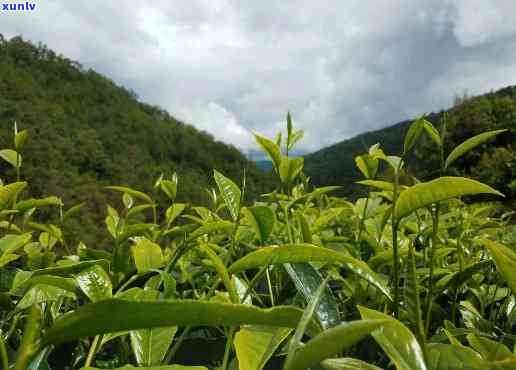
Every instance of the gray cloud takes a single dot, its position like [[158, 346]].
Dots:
[[341, 67]]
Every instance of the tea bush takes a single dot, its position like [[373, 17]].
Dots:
[[409, 277]]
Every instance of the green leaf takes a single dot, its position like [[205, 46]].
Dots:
[[7, 258], [95, 283], [432, 133], [134, 193], [147, 255], [255, 345], [69, 270], [469, 144], [114, 315], [272, 149], [305, 228], [505, 261], [24, 205], [333, 341], [397, 341], [383, 185], [230, 193], [262, 220], [453, 357], [19, 139], [221, 271], [173, 212], [347, 363], [298, 253], [210, 228], [295, 342], [456, 279], [368, 165], [169, 187], [165, 367], [9, 191], [442, 188], [290, 168], [151, 345], [39, 362], [307, 280], [413, 133], [67, 284], [42, 293], [491, 350], [290, 126], [11, 157], [294, 138], [11, 243]]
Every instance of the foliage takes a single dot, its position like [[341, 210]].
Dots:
[[409, 277]]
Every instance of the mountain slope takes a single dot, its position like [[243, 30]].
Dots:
[[494, 163], [86, 132]]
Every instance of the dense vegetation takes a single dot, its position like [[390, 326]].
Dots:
[[86, 132], [495, 165], [407, 278]]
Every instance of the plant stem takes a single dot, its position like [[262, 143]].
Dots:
[[28, 346], [362, 223], [176, 345], [227, 351], [271, 293], [396, 267], [93, 349], [394, 225], [433, 247], [3, 352]]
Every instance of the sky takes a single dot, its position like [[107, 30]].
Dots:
[[231, 67]]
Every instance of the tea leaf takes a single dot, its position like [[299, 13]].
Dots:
[[443, 188], [95, 283], [255, 345], [333, 341], [11, 157], [230, 193], [469, 144], [397, 341], [262, 220], [298, 253], [113, 315], [307, 280], [272, 149], [505, 260]]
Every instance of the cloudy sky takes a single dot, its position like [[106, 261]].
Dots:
[[233, 66]]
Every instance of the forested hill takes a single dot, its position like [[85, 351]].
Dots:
[[493, 163], [86, 132]]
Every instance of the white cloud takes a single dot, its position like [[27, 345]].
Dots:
[[482, 21], [341, 67]]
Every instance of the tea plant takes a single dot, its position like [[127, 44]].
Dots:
[[410, 277]]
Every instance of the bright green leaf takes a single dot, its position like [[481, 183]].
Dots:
[[443, 188], [230, 193], [95, 283], [333, 341], [469, 144], [397, 341], [255, 345]]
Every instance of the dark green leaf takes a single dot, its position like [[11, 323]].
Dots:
[[298, 253]]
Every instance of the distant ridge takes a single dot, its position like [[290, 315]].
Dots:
[[86, 132], [334, 165]]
